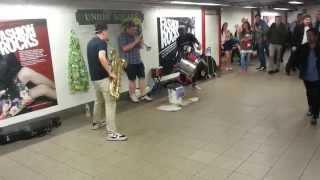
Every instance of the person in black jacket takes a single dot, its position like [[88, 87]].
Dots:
[[298, 38], [317, 24], [308, 62]]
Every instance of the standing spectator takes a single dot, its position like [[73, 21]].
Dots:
[[245, 46], [261, 29], [236, 51], [227, 49], [298, 38], [297, 22], [317, 24], [308, 62], [277, 36], [286, 45], [130, 44]]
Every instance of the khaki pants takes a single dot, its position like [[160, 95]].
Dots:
[[275, 57], [105, 105]]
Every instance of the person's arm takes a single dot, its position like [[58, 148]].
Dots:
[[128, 46], [104, 61]]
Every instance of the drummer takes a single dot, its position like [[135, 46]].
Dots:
[[186, 44]]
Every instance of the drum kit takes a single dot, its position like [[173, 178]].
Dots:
[[188, 65]]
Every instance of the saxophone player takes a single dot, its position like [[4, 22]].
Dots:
[[130, 45], [101, 73]]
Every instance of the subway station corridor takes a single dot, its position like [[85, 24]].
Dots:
[[245, 127]]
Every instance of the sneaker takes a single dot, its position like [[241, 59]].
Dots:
[[134, 98], [146, 97], [314, 121], [116, 137], [96, 126], [309, 114], [276, 71], [260, 67]]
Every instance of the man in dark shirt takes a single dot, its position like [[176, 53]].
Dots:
[[308, 62], [186, 40], [277, 36], [101, 72]]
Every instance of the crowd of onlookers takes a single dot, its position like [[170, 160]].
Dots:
[[300, 37], [267, 43]]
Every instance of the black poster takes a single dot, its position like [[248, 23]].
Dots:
[[167, 36]]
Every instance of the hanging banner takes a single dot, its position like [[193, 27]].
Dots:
[[92, 16], [168, 35], [26, 73]]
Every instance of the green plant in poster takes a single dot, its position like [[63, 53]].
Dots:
[[77, 70]]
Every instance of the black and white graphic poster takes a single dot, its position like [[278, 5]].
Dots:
[[168, 34]]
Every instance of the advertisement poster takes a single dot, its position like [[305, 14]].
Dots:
[[167, 35], [26, 73]]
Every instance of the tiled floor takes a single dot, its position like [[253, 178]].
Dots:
[[249, 127]]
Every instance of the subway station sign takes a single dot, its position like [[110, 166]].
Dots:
[[92, 16]]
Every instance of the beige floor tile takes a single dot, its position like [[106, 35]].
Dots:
[[239, 176], [225, 162], [203, 156], [255, 170], [11, 170], [263, 159], [214, 173]]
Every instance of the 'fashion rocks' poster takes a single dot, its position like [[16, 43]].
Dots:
[[168, 34], [26, 74]]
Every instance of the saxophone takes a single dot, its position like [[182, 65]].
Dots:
[[117, 65]]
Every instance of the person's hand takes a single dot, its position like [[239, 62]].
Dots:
[[294, 48], [112, 76], [199, 47], [138, 39]]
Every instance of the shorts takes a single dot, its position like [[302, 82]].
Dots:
[[134, 71]]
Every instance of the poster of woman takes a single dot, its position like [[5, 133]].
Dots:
[[26, 73]]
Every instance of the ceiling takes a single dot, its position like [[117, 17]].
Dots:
[[256, 3]]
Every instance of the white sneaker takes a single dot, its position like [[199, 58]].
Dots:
[[146, 97], [116, 137], [134, 98]]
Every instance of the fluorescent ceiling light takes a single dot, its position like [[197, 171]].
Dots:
[[249, 7], [295, 2], [195, 3], [281, 9]]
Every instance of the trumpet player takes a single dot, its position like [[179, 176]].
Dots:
[[101, 73], [130, 44]]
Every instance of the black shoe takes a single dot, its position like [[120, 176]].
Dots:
[[276, 71], [314, 121], [260, 67]]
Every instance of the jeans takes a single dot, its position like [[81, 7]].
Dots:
[[245, 58], [313, 96], [105, 106], [261, 54]]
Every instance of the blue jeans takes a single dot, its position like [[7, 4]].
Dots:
[[261, 53], [245, 57]]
